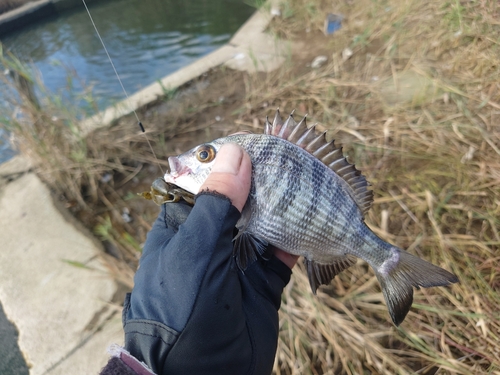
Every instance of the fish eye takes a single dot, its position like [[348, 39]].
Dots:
[[205, 153]]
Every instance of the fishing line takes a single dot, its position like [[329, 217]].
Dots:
[[121, 84]]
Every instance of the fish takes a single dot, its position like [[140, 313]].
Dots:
[[308, 200]]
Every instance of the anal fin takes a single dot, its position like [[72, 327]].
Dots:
[[323, 274]]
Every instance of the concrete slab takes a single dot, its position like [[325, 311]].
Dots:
[[257, 50], [54, 304], [91, 356], [255, 25]]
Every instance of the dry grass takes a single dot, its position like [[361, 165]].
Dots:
[[417, 108]]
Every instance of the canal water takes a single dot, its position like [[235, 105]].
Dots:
[[11, 359], [147, 40]]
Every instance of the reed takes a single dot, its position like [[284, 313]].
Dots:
[[46, 128]]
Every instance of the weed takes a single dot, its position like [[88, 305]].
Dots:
[[168, 92], [46, 128]]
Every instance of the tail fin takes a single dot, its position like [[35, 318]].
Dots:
[[400, 274]]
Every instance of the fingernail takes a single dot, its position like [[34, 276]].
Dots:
[[228, 159]]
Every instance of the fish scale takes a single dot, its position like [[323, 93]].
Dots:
[[307, 200]]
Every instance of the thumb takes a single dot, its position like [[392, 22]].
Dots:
[[231, 174]]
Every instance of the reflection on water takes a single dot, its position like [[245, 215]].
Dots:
[[147, 40]]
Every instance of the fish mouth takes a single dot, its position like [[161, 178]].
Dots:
[[176, 170]]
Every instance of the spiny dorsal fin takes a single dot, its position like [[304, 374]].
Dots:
[[327, 152]]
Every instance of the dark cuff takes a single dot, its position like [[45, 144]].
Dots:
[[268, 278], [116, 366], [212, 193]]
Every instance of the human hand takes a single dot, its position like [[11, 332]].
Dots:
[[192, 310], [231, 174]]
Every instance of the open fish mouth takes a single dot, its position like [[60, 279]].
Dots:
[[177, 169]]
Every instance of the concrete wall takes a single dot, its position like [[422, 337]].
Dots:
[[35, 11]]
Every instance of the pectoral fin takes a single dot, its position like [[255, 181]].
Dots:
[[323, 274], [246, 248]]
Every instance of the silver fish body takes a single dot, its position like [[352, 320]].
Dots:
[[307, 200]]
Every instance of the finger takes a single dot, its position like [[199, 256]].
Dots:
[[289, 259], [231, 174]]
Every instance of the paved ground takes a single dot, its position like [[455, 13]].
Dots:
[[58, 308]]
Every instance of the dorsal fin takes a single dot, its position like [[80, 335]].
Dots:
[[331, 155]]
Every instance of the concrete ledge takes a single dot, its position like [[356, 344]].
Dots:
[[256, 24], [17, 165], [35, 11], [22, 16], [63, 5]]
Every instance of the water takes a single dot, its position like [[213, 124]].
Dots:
[[147, 40], [11, 358]]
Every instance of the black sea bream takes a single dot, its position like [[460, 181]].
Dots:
[[308, 200]]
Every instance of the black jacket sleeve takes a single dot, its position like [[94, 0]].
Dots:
[[192, 311]]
